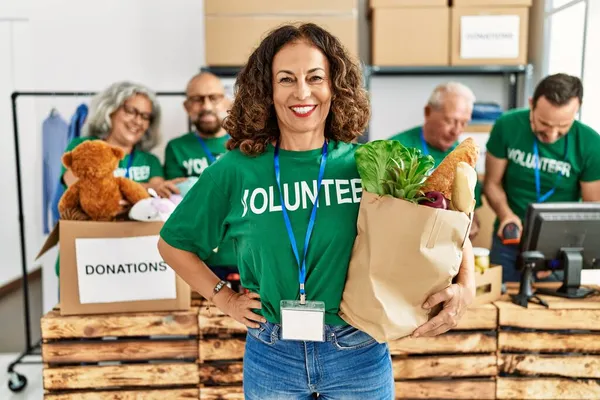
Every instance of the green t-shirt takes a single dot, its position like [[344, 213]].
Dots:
[[144, 166], [412, 138], [512, 139], [185, 156], [237, 198]]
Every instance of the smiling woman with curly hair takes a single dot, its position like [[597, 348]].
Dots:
[[253, 120], [299, 106]]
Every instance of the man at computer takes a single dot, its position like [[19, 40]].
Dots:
[[537, 155]]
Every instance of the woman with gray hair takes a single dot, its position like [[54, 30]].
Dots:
[[127, 115]]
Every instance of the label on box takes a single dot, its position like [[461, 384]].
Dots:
[[113, 270], [489, 36]]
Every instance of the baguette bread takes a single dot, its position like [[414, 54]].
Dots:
[[442, 178]]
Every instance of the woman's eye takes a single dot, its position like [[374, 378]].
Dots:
[[285, 80], [316, 79]]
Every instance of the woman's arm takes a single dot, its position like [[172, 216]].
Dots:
[[163, 187], [69, 178], [456, 298], [202, 280]]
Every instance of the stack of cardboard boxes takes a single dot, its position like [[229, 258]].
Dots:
[[234, 28], [443, 32]]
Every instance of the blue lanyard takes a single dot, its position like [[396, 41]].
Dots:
[[424, 143], [209, 154], [311, 222], [129, 163], [538, 163]]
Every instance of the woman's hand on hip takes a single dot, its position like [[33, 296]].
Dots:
[[456, 298], [239, 307]]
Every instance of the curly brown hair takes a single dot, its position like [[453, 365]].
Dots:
[[252, 122]]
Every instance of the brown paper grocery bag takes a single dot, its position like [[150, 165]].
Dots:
[[402, 254]]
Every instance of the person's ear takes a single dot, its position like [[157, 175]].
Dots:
[[427, 111], [531, 103]]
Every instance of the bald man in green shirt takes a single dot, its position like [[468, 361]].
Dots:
[[447, 113]]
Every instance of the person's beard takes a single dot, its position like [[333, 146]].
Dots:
[[207, 128]]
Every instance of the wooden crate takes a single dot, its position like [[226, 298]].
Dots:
[[141, 356], [461, 364], [549, 353]]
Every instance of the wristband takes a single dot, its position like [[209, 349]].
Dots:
[[218, 288]]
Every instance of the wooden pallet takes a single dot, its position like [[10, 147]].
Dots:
[[141, 356], [549, 353], [461, 364]]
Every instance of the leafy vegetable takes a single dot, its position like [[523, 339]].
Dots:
[[386, 167]]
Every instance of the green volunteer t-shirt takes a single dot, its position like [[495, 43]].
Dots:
[[237, 198], [144, 166], [185, 156], [512, 139], [412, 138]]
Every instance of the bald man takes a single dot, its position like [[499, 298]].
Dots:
[[190, 154], [206, 106]]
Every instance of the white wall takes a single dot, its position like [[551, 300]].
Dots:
[[84, 46], [75, 45], [591, 68]]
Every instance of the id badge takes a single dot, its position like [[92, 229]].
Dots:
[[305, 322]]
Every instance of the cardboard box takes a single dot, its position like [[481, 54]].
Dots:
[[492, 3], [407, 3], [279, 6], [234, 28], [484, 36], [109, 267], [231, 39], [399, 37], [488, 285]]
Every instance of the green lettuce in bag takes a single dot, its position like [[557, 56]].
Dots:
[[386, 167]]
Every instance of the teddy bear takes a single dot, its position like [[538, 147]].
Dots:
[[97, 194]]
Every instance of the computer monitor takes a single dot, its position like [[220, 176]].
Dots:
[[567, 236]]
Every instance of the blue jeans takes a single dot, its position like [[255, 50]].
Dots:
[[348, 365], [507, 255]]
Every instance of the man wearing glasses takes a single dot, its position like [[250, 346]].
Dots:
[[446, 114], [188, 155], [536, 155]]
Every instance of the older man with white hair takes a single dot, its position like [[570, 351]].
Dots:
[[447, 112]]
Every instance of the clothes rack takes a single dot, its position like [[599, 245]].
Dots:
[[16, 381]]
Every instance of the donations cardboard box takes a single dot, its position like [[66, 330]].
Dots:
[[234, 28], [108, 267]]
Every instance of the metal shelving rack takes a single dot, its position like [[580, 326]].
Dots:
[[511, 74]]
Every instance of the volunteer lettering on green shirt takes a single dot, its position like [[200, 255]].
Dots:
[[563, 164], [238, 199], [413, 138], [185, 156], [144, 165]]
